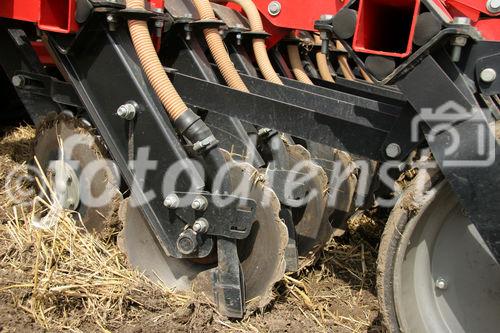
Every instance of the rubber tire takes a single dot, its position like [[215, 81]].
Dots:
[[406, 208]]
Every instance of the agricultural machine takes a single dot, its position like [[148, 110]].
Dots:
[[237, 136]]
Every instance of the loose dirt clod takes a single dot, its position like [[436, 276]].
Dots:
[[63, 278]]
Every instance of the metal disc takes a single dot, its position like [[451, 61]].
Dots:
[[261, 254], [67, 150], [445, 279], [342, 182], [312, 225]]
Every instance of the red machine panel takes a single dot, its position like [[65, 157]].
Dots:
[[386, 27], [50, 15]]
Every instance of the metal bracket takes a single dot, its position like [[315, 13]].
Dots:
[[59, 92], [279, 173], [228, 280], [234, 220]]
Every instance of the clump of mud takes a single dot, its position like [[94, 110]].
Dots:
[[62, 278]]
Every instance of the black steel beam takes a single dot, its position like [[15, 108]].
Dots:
[[18, 55], [359, 129], [105, 73], [189, 58]]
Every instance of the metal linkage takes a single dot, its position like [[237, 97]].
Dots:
[[17, 56]]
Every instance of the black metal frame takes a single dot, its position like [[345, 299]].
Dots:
[[354, 117], [475, 187]]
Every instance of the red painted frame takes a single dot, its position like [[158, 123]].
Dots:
[[373, 25], [50, 15]]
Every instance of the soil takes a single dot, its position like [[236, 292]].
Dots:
[[336, 294]]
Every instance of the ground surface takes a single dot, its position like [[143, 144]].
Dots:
[[53, 280]]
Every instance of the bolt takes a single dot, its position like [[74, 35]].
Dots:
[[204, 143], [187, 242], [70, 203], [159, 24], [458, 42], [127, 111], [461, 20], [326, 17], [325, 46], [238, 39], [441, 284], [488, 75], [274, 8], [18, 81], [111, 22], [263, 131], [493, 6], [199, 203], [68, 113], [200, 225], [393, 150], [85, 121], [171, 201]]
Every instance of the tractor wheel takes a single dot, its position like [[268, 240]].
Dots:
[[435, 272]]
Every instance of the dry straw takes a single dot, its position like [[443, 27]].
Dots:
[[66, 277]]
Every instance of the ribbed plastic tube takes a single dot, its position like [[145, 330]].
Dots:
[[218, 49], [152, 66]]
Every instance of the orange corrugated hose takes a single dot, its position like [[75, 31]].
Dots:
[[218, 49], [259, 45], [296, 63], [365, 75], [344, 65], [322, 62], [152, 66]]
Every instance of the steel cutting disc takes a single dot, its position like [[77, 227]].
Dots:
[[261, 254], [312, 225], [64, 141]]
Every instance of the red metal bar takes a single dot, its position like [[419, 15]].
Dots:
[[42, 53], [386, 27], [490, 29], [50, 15], [299, 14], [24, 10]]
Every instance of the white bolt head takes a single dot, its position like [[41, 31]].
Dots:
[[493, 6], [462, 20], [441, 284], [393, 150], [18, 81], [488, 75], [274, 8], [199, 203], [200, 225], [171, 201], [127, 111]]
